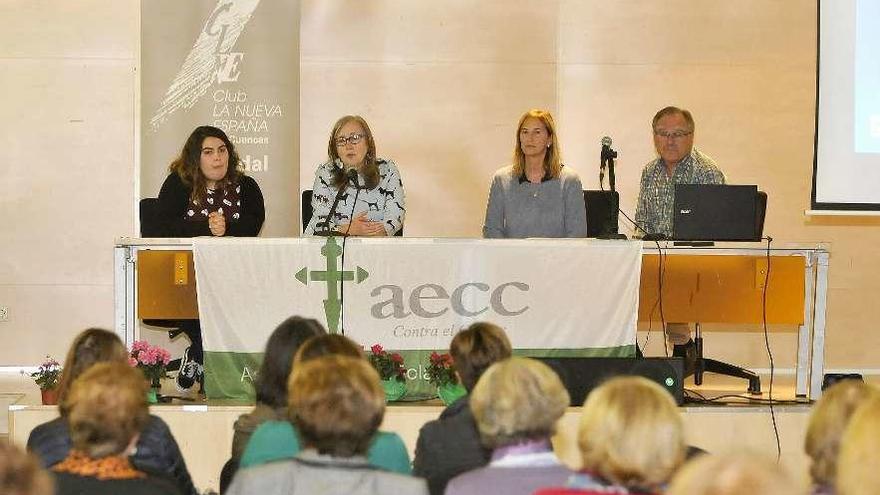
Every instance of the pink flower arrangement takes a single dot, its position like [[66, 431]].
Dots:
[[152, 360], [389, 365]]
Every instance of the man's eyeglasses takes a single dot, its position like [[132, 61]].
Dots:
[[672, 134], [351, 138]]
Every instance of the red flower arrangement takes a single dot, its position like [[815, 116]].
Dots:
[[389, 365], [440, 370]]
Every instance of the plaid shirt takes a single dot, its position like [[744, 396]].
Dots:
[[657, 189]]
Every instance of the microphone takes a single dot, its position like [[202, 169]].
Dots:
[[606, 147], [352, 175]]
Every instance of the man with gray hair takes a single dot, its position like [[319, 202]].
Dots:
[[678, 162]]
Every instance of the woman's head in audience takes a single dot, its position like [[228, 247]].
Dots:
[[858, 466], [91, 346], [271, 385], [517, 400], [476, 348], [352, 145], [208, 159], [828, 420], [327, 345], [107, 409], [732, 475], [336, 403], [21, 473], [631, 433]]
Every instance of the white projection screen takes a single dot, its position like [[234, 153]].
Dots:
[[846, 172]]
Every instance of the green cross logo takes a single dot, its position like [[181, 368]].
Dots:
[[332, 275]]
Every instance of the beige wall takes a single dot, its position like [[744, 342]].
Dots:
[[67, 167], [442, 84]]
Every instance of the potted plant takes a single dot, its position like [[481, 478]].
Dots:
[[391, 370], [442, 375], [152, 361], [46, 377]]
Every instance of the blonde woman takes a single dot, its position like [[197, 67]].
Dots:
[[516, 403], [631, 439], [736, 474], [828, 420], [536, 196], [858, 466]]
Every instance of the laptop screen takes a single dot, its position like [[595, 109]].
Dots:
[[710, 212]]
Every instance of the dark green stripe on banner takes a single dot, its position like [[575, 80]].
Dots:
[[231, 375]]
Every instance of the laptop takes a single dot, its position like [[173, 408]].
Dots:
[[711, 212]]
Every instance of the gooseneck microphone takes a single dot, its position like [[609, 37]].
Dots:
[[606, 145], [352, 175], [607, 157]]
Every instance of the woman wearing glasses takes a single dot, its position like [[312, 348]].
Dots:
[[372, 200], [536, 196]]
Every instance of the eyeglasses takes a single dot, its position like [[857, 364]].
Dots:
[[351, 138], [672, 134]]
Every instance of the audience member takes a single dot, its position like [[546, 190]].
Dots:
[[451, 445], [631, 439], [732, 475], [21, 473], [106, 410], [157, 450], [828, 420], [858, 465], [336, 404], [516, 404], [278, 440], [271, 386]]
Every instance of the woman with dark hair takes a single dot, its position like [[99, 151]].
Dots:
[[336, 404], [279, 440], [380, 205], [107, 410], [205, 194], [271, 385], [157, 450], [473, 351], [536, 196]]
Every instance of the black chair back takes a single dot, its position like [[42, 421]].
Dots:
[[602, 207], [148, 213]]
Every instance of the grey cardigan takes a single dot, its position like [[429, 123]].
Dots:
[[313, 474], [518, 208]]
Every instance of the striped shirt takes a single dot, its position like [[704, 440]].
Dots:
[[657, 190]]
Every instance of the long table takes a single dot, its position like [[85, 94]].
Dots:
[[155, 279]]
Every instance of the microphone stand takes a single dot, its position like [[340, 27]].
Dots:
[[610, 228], [608, 156], [326, 231]]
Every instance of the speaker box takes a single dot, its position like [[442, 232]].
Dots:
[[581, 375]]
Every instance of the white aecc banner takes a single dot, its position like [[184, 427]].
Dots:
[[414, 294]]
